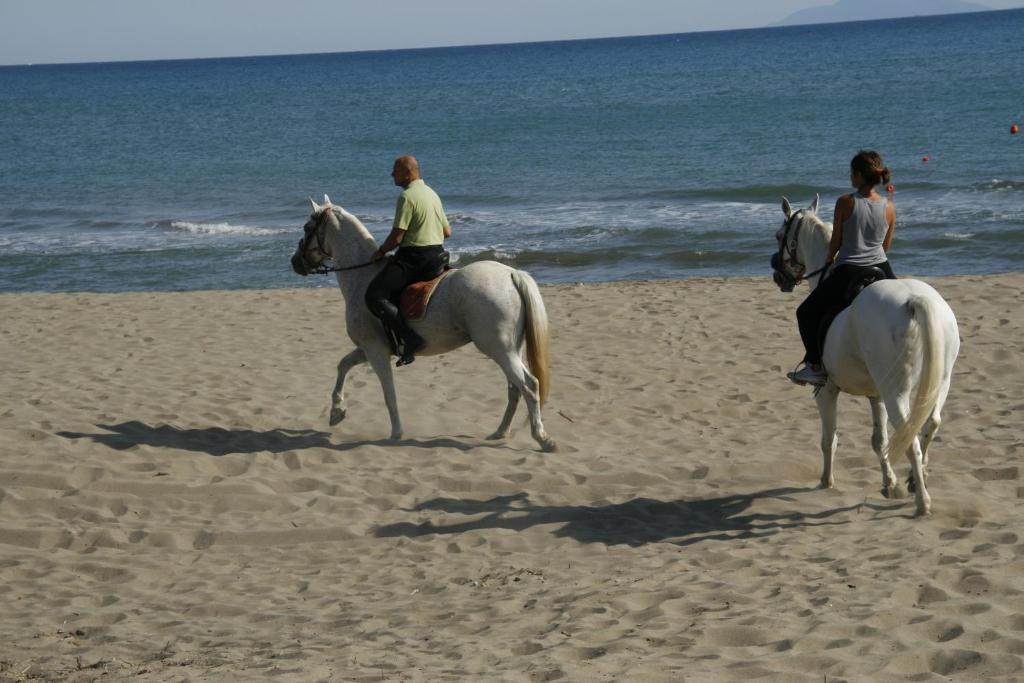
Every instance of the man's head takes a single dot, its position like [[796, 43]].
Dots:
[[406, 170]]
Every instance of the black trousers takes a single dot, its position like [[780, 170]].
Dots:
[[408, 265], [826, 298]]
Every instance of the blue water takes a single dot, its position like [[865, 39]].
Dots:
[[653, 157]]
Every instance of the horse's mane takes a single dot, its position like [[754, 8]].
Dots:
[[362, 233], [824, 227]]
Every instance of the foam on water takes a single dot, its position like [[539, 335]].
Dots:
[[997, 185], [220, 229]]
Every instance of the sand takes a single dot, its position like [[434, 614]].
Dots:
[[174, 505]]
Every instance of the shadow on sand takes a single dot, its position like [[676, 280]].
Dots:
[[218, 441], [635, 522]]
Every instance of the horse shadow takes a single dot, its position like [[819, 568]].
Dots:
[[635, 523], [217, 441]]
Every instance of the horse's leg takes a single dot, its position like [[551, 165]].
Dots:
[[380, 361], [350, 360], [827, 399], [520, 378], [880, 444], [921, 498], [510, 412], [899, 408], [927, 435], [931, 426]]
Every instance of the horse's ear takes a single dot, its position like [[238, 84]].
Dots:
[[814, 204], [316, 208], [787, 208], [327, 200]]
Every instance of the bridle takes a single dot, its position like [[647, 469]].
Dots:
[[784, 279], [317, 233]]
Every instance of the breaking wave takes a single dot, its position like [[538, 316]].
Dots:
[[217, 229]]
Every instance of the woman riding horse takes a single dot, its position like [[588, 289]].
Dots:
[[861, 236]]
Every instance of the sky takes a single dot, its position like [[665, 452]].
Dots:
[[56, 31]]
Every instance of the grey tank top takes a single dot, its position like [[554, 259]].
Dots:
[[863, 233]]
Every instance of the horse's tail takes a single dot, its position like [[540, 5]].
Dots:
[[924, 327], [536, 331]]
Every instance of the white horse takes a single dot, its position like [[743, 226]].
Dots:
[[496, 307], [896, 344]]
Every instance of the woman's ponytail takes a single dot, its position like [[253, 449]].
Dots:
[[884, 176]]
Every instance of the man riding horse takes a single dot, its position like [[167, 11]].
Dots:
[[419, 230]]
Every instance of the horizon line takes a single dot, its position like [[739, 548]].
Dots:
[[456, 46]]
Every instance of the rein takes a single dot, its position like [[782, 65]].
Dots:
[[810, 275], [323, 270]]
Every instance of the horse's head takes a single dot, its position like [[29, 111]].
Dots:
[[787, 267], [314, 248]]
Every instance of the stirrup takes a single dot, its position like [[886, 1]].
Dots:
[[409, 354], [806, 375]]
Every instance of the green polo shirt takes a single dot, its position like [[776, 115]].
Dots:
[[420, 214]]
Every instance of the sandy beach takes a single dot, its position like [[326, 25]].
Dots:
[[175, 507]]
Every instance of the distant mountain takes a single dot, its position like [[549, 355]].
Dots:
[[860, 10]]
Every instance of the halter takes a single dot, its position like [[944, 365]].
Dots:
[[319, 246], [781, 276]]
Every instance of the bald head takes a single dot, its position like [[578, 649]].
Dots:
[[409, 163], [406, 170]]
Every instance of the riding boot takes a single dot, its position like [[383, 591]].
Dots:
[[411, 342]]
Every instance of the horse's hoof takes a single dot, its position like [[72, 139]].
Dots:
[[923, 512], [337, 415], [548, 445], [497, 436], [894, 492], [824, 484], [396, 436]]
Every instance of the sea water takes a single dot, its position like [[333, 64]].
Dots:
[[629, 158]]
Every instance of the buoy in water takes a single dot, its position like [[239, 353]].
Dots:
[[1014, 129], [925, 159]]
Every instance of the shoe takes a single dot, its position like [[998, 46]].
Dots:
[[808, 375], [410, 346]]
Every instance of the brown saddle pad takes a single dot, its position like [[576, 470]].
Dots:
[[415, 297]]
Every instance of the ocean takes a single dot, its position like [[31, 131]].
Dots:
[[594, 160]]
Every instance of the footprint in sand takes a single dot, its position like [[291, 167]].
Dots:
[[203, 540], [996, 473], [957, 661]]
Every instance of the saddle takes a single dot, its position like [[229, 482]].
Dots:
[[856, 286], [412, 302]]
